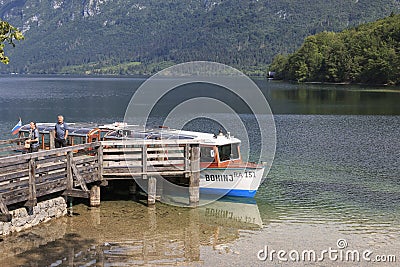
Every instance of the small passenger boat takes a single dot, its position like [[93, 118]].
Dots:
[[222, 170]]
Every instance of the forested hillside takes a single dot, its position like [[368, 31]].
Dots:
[[144, 36], [369, 53]]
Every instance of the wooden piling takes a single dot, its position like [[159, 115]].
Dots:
[[144, 162], [132, 188], [194, 179], [70, 204], [52, 137], [187, 160], [95, 196], [160, 188], [70, 178], [151, 191], [32, 200], [5, 215], [100, 162]]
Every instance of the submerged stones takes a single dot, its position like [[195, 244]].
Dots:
[[42, 212]]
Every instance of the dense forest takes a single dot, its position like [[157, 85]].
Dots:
[[369, 53], [145, 36]]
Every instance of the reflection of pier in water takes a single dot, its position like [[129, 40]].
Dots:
[[127, 233]]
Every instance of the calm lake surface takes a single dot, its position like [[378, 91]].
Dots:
[[335, 176]]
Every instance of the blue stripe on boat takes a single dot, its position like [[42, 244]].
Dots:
[[227, 192], [232, 168]]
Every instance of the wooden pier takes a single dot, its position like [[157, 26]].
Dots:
[[11, 146], [80, 170]]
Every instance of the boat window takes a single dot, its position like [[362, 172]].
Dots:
[[227, 152], [206, 154]]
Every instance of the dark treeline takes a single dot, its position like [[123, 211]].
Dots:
[[367, 54]]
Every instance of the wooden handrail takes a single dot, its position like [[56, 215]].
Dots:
[[150, 142], [26, 177], [47, 153], [10, 141]]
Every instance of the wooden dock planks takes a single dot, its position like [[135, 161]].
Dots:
[[73, 171]]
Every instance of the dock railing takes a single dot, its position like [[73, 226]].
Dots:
[[69, 171], [27, 177], [152, 159], [11, 146]]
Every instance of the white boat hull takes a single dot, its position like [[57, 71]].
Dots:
[[242, 182]]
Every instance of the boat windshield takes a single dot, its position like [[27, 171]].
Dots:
[[228, 152], [206, 154]]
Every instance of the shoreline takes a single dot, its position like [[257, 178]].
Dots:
[[336, 83]]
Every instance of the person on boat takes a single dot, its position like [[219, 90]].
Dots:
[[33, 139], [60, 132]]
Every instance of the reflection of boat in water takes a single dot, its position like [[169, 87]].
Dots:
[[228, 211], [222, 170], [231, 211], [125, 233]]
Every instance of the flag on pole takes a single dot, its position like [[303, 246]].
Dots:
[[16, 128]]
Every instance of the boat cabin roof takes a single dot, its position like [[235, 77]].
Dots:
[[124, 131], [75, 129], [117, 131]]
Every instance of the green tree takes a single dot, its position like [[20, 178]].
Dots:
[[279, 66], [8, 34], [368, 53]]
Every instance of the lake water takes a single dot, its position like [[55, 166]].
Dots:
[[335, 178]]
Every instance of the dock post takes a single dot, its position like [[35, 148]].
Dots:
[[144, 162], [52, 137], [70, 204], [32, 201], [160, 188], [194, 179], [100, 162], [5, 215], [95, 196], [151, 191], [70, 177], [132, 188], [69, 183], [187, 160]]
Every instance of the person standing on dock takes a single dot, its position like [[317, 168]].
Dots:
[[60, 133], [33, 139]]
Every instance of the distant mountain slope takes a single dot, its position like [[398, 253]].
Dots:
[[143, 36]]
